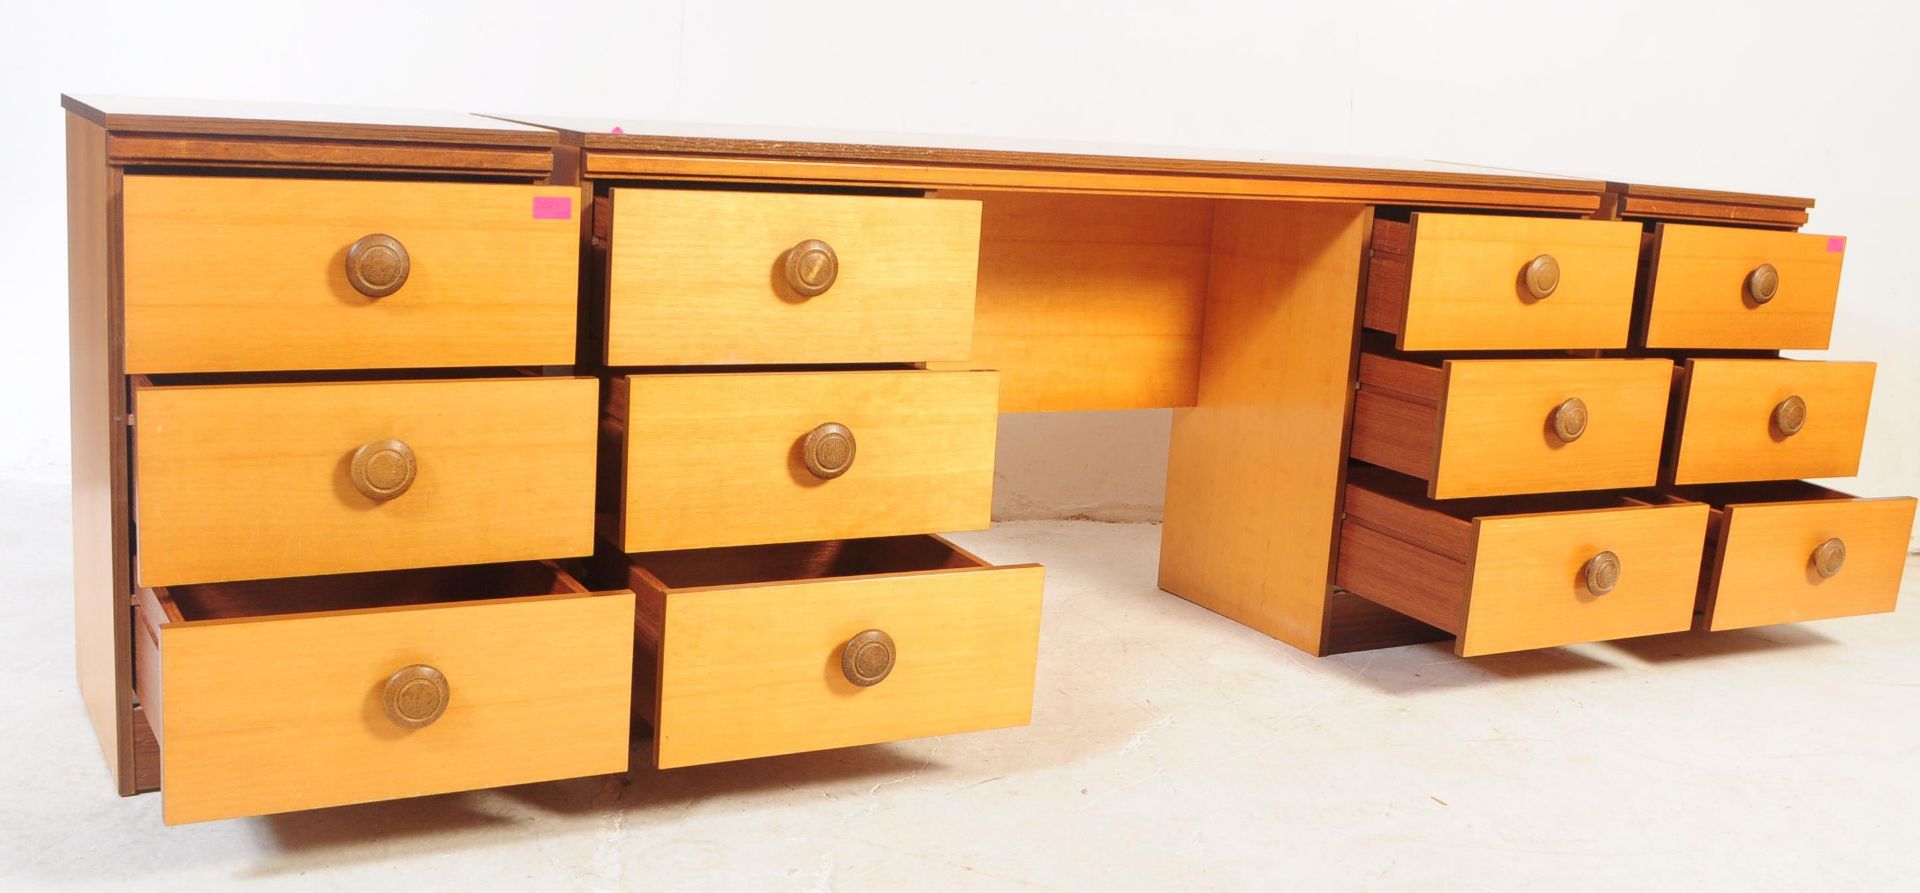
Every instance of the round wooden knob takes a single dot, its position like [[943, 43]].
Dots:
[[1601, 573], [868, 657], [415, 696], [1763, 283], [1570, 419], [811, 267], [828, 450], [1790, 416], [1829, 557], [377, 265], [382, 469], [1541, 275]]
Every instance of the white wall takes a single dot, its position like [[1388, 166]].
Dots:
[[1797, 98]]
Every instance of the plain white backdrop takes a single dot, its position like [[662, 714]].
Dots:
[[1795, 98]]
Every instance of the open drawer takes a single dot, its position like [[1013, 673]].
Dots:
[[764, 650], [276, 695]]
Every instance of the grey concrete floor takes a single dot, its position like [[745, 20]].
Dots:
[[1170, 750]]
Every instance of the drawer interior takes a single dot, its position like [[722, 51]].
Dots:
[[363, 591], [782, 562]]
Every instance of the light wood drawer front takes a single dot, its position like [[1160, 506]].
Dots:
[[1730, 421], [1701, 294], [721, 459], [1462, 282], [238, 482], [699, 278], [265, 713], [226, 274], [1518, 573], [751, 646], [1497, 427]]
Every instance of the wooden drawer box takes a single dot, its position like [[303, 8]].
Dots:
[[1476, 282], [1763, 420], [729, 459], [246, 481], [1496, 427], [766, 650], [277, 695], [705, 278], [1722, 287], [1516, 573], [227, 274]]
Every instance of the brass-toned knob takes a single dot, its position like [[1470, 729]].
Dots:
[[1790, 416], [811, 267], [377, 265], [1601, 573], [1763, 283], [1541, 276], [415, 696], [1570, 419], [868, 657], [828, 451], [1829, 557], [382, 469]]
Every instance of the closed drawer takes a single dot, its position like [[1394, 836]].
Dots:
[[766, 650], [1788, 551], [1714, 286], [237, 482], [703, 278], [226, 274], [738, 459], [1764, 420], [1495, 427], [1474, 282], [279, 695], [1514, 573]]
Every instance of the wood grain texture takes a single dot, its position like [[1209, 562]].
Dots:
[[1726, 431], [246, 481], [695, 279], [1641, 201], [1254, 475], [282, 713], [1464, 292], [1090, 302], [231, 274], [1698, 295], [714, 459], [1763, 574]]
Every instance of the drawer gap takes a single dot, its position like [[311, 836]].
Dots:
[[361, 591], [783, 562]]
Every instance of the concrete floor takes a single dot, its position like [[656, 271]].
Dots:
[[1170, 750]]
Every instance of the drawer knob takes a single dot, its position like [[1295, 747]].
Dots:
[[1790, 416], [1763, 283], [382, 469], [1570, 419], [1541, 275], [811, 267], [415, 696], [868, 657], [828, 451], [1601, 573], [1829, 557], [377, 265]]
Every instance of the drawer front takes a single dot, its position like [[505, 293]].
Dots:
[[1731, 423], [226, 274], [1528, 585], [1468, 289], [282, 713], [702, 278], [1772, 563], [237, 482], [1703, 293], [756, 671], [722, 459], [1505, 424]]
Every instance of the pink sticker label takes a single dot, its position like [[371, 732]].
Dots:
[[552, 207], [618, 130], [1836, 244]]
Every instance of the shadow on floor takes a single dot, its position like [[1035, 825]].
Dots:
[[1432, 666], [1702, 646]]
